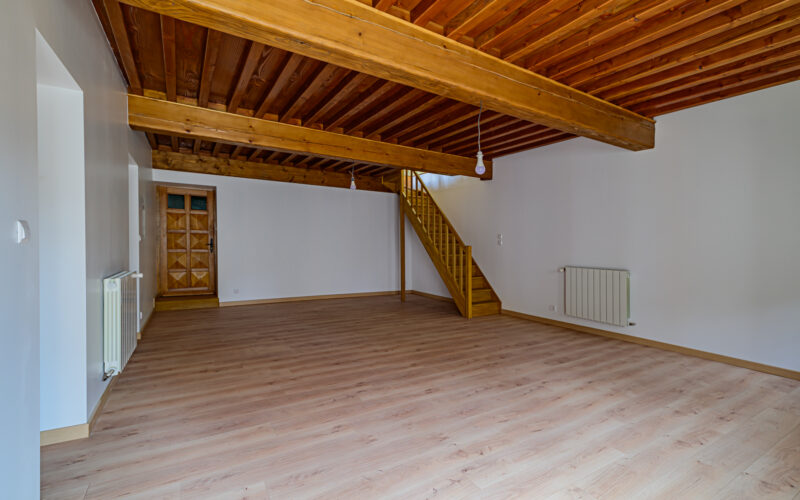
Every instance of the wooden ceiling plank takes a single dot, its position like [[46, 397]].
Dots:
[[450, 9], [460, 25], [325, 80], [250, 62], [711, 72], [494, 33], [153, 115], [297, 85], [397, 121], [727, 93], [513, 133], [600, 32], [576, 18], [486, 15], [425, 10], [685, 34], [728, 84], [290, 82], [237, 168], [408, 100], [469, 145], [469, 126], [377, 93], [354, 85], [457, 115], [534, 22], [440, 118], [284, 75], [753, 50], [364, 39], [538, 144], [779, 28], [523, 144], [210, 53], [123, 44]]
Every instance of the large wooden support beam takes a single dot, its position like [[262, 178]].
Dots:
[[164, 117], [200, 164], [350, 34]]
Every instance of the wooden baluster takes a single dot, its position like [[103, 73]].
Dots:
[[446, 248], [453, 258], [468, 292], [461, 267]]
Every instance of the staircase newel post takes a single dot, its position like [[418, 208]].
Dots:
[[469, 282]]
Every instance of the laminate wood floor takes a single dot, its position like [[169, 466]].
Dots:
[[371, 398]]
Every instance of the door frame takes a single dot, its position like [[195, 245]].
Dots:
[[211, 193]]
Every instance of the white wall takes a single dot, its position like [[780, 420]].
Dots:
[[708, 222], [19, 290], [73, 31], [62, 253], [279, 240], [148, 220]]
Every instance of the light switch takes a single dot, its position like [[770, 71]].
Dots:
[[23, 232]]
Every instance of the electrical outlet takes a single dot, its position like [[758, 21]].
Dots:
[[141, 315], [499, 239], [235, 290], [551, 307]]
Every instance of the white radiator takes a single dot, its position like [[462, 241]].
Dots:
[[119, 321], [597, 294]]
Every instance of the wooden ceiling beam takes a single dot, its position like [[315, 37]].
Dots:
[[210, 53], [236, 168], [159, 116], [366, 40], [117, 24]]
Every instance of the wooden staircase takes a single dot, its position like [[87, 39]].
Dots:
[[470, 289]]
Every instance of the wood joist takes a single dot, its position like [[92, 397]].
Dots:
[[182, 120], [272, 171], [651, 56]]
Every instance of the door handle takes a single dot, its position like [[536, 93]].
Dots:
[[211, 244]]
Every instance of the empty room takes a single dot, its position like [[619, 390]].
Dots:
[[400, 249]]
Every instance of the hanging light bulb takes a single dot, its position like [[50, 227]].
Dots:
[[352, 178], [480, 168]]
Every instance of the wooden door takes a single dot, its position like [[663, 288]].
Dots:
[[187, 250]]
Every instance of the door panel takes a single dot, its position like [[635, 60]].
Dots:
[[187, 254]]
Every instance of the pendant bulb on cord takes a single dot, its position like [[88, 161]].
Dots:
[[480, 168], [352, 178]]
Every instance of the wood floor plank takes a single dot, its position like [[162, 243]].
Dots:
[[371, 398]]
